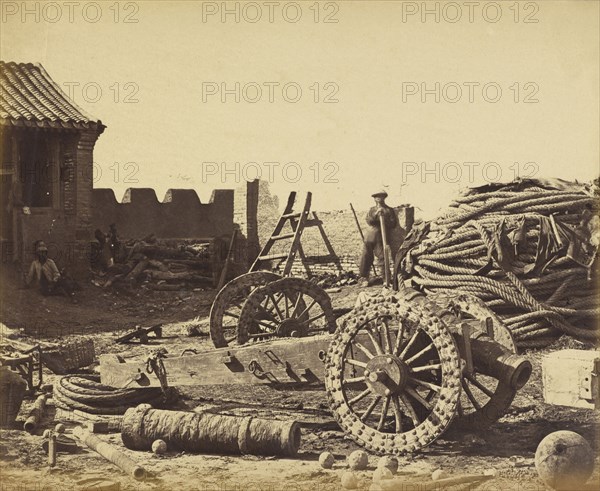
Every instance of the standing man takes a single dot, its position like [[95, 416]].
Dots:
[[373, 243]]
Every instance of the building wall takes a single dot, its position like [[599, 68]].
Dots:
[[63, 226], [179, 215]]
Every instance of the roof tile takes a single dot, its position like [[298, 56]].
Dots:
[[29, 97]]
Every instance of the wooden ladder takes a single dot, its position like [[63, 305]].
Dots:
[[298, 221]]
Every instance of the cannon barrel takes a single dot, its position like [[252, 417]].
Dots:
[[489, 357], [492, 359], [205, 432]]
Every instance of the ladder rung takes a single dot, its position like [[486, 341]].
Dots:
[[283, 236], [291, 215], [273, 256]]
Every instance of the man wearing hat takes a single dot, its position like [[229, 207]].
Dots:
[[44, 273], [373, 242]]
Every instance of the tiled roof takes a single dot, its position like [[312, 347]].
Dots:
[[30, 98]]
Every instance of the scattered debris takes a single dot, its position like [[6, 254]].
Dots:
[[110, 453], [36, 413]]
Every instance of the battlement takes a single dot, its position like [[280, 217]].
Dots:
[[181, 213]]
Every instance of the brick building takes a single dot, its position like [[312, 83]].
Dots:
[[47, 168]]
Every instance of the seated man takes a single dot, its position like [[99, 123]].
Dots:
[[44, 273], [373, 239]]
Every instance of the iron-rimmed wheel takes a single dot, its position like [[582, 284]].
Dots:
[[484, 398], [227, 305], [393, 376], [289, 307]]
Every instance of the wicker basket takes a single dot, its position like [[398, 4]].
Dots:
[[69, 356], [12, 391]]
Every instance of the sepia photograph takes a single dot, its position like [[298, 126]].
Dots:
[[305, 245]]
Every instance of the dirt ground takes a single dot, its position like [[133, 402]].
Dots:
[[507, 448]]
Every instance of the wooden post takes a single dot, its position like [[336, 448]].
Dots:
[[253, 246]]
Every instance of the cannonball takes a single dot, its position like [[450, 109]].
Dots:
[[349, 480], [564, 460], [59, 428], [159, 447], [438, 474], [382, 473], [389, 462], [326, 459], [47, 433], [358, 460]]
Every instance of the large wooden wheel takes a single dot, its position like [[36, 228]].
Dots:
[[227, 305], [289, 307], [393, 376], [484, 398]]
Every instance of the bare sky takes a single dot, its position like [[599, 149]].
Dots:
[[161, 81]]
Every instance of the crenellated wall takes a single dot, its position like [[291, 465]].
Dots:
[[181, 214]]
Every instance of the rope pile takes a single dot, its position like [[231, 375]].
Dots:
[[506, 245], [85, 393]]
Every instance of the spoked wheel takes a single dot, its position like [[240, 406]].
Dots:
[[393, 376], [290, 307], [227, 305], [484, 399]]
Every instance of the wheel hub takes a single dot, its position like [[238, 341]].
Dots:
[[386, 375], [289, 328]]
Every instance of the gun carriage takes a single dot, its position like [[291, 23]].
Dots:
[[398, 369]]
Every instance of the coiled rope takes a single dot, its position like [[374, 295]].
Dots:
[[85, 393], [458, 253]]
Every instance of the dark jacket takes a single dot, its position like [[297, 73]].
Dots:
[[390, 217]]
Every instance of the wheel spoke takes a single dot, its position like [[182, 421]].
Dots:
[[296, 305], [353, 380], [411, 410], [399, 336], [356, 363], [376, 344], [428, 385], [471, 396], [409, 344], [231, 314], [415, 395], [480, 386], [305, 311], [359, 397], [277, 309], [419, 354], [426, 368], [312, 319], [270, 327], [370, 409], [397, 414], [384, 410], [268, 313], [367, 353], [386, 334]]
